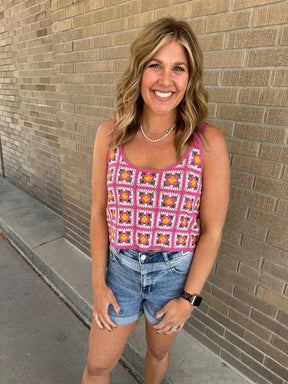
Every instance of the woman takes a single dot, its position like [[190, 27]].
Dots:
[[162, 159]]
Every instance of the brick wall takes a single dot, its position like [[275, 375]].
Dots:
[[28, 126], [59, 62]]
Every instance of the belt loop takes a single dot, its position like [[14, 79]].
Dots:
[[115, 250], [165, 257]]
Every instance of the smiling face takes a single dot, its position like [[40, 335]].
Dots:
[[164, 80]]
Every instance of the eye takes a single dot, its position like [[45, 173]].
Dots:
[[179, 69], [154, 66]]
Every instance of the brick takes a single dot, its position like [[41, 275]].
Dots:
[[83, 44], [239, 4], [130, 8], [252, 39], [274, 153], [176, 11], [271, 97], [282, 208], [238, 280], [262, 278], [124, 38], [271, 15], [223, 343], [259, 368], [114, 26], [228, 21], [242, 254], [276, 222], [271, 187], [206, 7], [224, 95], [212, 42], [255, 166], [241, 113], [75, 10], [280, 343], [209, 323], [254, 302], [148, 5], [243, 147], [261, 345], [64, 3], [92, 5], [268, 57], [197, 24], [279, 301], [232, 236], [277, 239], [224, 59], [285, 174], [239, 210], [83, 20], [221, 283], [64, 25], [277, 116], [261, 133], [245, 346], [250, 324], [245, 77], [245, 181], [274, 269], [211, 77], [265, 250], [284, 38], [280, 369], [281, 78]]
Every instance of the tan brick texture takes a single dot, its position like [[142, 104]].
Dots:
[[59, 62]]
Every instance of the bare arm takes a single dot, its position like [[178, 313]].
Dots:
[[103, 296], [213, 209]]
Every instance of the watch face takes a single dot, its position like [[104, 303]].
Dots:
[[196, 301]]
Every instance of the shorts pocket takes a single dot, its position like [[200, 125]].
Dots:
[[112, 256], [182, 268]]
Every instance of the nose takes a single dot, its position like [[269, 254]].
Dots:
[[165, 78]]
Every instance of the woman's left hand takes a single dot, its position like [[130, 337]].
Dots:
[[175, 313]]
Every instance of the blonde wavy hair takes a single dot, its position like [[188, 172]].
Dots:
[[192, 110]]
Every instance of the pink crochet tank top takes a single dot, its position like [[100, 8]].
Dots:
[[155, 209]]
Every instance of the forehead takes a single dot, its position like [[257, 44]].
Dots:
[[173, 51]]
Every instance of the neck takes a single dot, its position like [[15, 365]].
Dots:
[[156, 124]]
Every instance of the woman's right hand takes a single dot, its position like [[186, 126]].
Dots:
[[103, 297]]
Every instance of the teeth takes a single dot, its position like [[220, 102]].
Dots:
[[162, 94]]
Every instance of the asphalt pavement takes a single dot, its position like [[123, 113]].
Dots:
[[41, 340]]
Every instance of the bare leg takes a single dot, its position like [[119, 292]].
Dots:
[[105, 349], [158, 354]]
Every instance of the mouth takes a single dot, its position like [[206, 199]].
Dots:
[[163, 95]]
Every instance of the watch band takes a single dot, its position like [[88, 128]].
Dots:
[[193, 299]]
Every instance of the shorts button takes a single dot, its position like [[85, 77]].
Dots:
[[143, 257]]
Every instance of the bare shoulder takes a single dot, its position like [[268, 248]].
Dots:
[[215, 154], [105, 132], [215, 140]]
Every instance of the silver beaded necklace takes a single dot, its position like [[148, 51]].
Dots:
[[161, 138]]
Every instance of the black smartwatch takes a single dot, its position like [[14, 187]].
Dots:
[[193, 299]]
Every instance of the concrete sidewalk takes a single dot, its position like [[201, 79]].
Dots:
[[42, 341], [38, 234]]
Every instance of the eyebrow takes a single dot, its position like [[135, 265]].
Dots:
[[160, 62]]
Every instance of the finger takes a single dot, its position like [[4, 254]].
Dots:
[[116, 306], [108, 323], [160, 313], [98, 322]]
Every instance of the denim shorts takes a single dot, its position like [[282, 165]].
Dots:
[[145, 281]]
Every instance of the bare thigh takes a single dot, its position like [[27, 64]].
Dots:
[[105, 348], [159, 344]]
